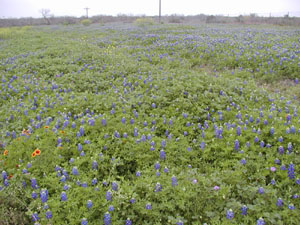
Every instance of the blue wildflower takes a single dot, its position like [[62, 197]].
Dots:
[[244, 210], [238, 130], [63, 196], [179, 222], [290, 147], [273, 182], [236, 145], [291, 171], [202, 145], [107, 219], [33, 183], [293, 130], [48, 215], [94, 165], [282, 167], [261, 190], [44, 195], [277, 161], [243, 161], [34, 195], [166, 170], [173, 181], [81, 131], [94, 181], [75, 171], [114, 186], [279, 202], [163, 143], [162, 154], [89, 204], [63, 178], [131, 121], [4, 175], [148, 206], [156, 166], [157, 187], [128, 222], [59, 141], [260, 221], [295, 196], [135, 132], [143, 138], [117, 134], [84, 221], [108, 196], [229, 214], [123, 120], [280, 150], [35, 217], [79, 147]]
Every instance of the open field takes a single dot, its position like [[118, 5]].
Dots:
[[150, 124]]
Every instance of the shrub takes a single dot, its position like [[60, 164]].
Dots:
[[9, 32], [143, 22], [86, 22]]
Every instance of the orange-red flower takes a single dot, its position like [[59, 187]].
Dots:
[[26, 132], [33, 154], [46, 127], [37, 151], [62, 131], [5, 152]]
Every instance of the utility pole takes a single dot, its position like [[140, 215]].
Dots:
[[159, 11], [87, 12]]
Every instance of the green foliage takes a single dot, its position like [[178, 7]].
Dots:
[[86, 22], [144, 22], [121, 97], [11, 32]]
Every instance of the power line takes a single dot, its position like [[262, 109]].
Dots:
[[159, 11], [87, 12]]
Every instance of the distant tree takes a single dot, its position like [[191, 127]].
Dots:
[[287, 15], [240, 19], [210, 19], [46, 15]]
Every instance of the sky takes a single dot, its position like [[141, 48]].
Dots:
[[31, 8]]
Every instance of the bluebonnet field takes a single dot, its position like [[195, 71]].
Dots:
[[162, 124]]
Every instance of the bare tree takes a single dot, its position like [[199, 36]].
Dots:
[[46, 15]]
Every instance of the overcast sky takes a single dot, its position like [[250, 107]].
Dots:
[[30, 8]]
